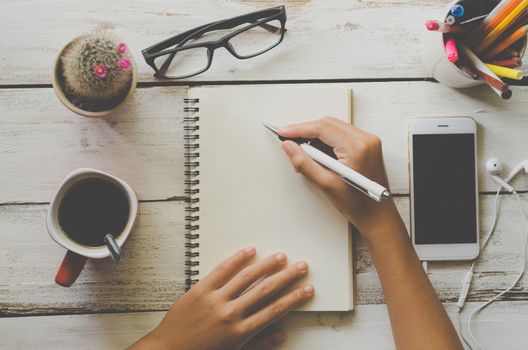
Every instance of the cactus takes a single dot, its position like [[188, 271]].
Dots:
[[97, 66]]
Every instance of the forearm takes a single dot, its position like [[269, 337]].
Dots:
[[418, 319], [149, 342], [417, 316]]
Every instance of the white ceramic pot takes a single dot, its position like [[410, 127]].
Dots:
[[435, 59]]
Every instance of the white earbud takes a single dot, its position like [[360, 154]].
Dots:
[[517, 170], [494, 167]]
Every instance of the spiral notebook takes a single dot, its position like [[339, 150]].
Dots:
[[243, 190]]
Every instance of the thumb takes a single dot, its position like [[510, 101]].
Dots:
[[305, 165], [265, 341]]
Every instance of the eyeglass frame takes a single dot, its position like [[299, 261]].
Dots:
[[151, 53]]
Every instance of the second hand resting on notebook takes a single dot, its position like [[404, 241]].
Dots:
[[417, 317], [219, 313]]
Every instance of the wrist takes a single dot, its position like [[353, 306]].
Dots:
[[380, 224]]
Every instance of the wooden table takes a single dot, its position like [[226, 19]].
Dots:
[[370, 46]]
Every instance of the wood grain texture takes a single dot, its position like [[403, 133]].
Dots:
[[501, 327], [341, 39], [151, 276], [41, 141]]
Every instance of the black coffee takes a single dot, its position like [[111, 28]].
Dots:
[[93, 208]]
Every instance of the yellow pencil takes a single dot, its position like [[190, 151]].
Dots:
[[505, 72], [501, 27], [506, 42]]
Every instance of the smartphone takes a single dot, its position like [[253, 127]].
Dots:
[[444, 188]]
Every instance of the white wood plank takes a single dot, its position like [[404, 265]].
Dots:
[[152, 274], [387, 109], [498, 265], [325, 39], [41, 141], [502, 326]]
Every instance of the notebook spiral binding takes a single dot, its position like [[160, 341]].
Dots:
[[191, 154]]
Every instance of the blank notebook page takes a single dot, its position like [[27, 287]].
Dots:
[[251, 196]]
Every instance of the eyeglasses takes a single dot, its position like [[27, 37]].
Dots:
[[250, 35]]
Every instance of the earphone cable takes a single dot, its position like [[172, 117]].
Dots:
[[469, 274], [521, 273]]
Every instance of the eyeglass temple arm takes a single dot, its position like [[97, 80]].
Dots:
[[271, 28], [176, 39]]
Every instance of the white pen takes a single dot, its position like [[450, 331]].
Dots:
[[350, 176]]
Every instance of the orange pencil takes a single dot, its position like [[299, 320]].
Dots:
[[502, 26], [507, 42], [497, 85], [521, 20], [482, 68], [495, 17]]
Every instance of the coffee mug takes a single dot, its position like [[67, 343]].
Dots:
[[86, 200]]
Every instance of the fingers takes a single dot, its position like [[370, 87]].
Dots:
[[279, 308], [265, 341], [270, 286], [304, 164], [329, 130], [253, 273], [228, 268]]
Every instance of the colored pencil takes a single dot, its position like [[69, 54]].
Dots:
[[521, 20], [495, 16], [480, 66], [505, 72], [506, 42], [497, 85], [509, 53], [497, 38], [502, 26], [510, 63]]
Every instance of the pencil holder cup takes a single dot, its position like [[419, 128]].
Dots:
[[435, 60]]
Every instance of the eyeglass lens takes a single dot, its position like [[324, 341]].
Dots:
[[251, 42]]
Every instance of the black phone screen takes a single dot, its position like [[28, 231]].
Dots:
[[444, 208]]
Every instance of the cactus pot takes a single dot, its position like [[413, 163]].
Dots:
[[75, 103]]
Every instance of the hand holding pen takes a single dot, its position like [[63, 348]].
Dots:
[[354, 148]]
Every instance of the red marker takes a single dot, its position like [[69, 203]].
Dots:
[[442, 27], [451, 50]]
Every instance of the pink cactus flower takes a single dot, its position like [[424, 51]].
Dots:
[[100, 70], [125, 64], [122, 48]]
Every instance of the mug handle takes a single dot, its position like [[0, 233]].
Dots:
[[70, 268]]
